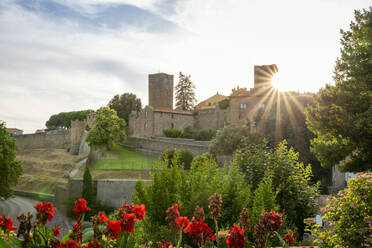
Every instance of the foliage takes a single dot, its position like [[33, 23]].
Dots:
[[349, 214], [342, 118], [264, 199], [286, 120], [107, 129], [205, 134], [185, 93], [10, 168], [87, 193], [174, 184], [228, 139], [172, 133], [224, 104], [124, 104], [296, 196], [183, 157], [188, 132], [63, 119]]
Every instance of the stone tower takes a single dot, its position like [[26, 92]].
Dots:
[[263, 75], [161, 90]]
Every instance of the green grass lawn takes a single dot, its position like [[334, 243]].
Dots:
[[120, 158]]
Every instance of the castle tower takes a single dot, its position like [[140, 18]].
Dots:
[[263, 75], [161, 90]]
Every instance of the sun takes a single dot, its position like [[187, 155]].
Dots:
[[276, 83]]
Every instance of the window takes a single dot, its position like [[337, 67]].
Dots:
[[172, 125], [262, 105], [172, 116], [243, 106]]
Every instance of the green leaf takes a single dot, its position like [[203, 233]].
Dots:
[[66, 237], [4, 244], [88, 234], [16, 241]]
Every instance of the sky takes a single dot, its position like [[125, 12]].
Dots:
[[65, 55]]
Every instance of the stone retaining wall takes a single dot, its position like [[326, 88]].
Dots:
[[52, 139], [156, 146]]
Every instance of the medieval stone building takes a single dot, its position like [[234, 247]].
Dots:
[[159, 114]]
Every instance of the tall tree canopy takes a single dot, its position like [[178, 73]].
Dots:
[[185, 93], [10, 169], [63, 119], [342, 118], [107, 129], [124, 105]]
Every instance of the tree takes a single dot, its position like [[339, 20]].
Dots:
[[10, 168], [88, 187], [124, 105], [228, 139], [107, 129], [342, 118], [63, 119], [185, 93]]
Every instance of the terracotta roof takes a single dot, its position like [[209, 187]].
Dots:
[[14, 129], [174, 111], [213, 100]]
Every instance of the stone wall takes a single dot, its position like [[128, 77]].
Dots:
[[163, 120], [112, 192], [77, 132], [156, 146], [52, 139], [161, 90]]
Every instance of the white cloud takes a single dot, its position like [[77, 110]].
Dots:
[[49, 66]]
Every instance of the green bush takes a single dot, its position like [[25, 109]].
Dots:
[[205, 134], [296, 196], [349, 213], [184, 157], [188, 132], [224, 104], [174, 185], [168, 155], [172, 133]]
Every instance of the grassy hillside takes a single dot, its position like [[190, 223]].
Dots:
[[45, 168], [120, 158]]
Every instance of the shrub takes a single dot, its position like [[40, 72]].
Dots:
[[188, 132], [174, 184], [349, 214], [185, 157], [224, 104], [205, 134], [172, 133], [296, 196], [228, 139], [168, 155]]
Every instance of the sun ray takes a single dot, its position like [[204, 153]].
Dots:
[[290, 112], [278, 122], [260, 125]]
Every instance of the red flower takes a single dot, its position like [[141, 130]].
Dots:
[[288, 238], [236, 237], [127, 224], [103, 218], [175, 209], [69, 244], [56, 231], [80, 206], [182, 221], [6, 224], [139, 211], [198, 228], [45, 210], [164, 244], [77, 233], [114, 227]]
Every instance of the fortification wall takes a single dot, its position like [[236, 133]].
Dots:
[[53, 139], [113, 192], [156, 146], [163, 120]]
